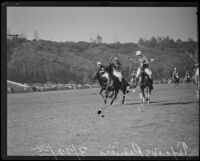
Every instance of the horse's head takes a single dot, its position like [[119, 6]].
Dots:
[[102, 80]]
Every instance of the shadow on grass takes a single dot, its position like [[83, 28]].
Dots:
[[136, 103], [176, 103]]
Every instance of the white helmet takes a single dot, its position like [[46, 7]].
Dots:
[[98, 63], [138, 53], [174, 68]]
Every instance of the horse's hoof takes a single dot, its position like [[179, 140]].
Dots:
[[99, 112]]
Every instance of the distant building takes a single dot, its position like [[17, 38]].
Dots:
[[14, 87]]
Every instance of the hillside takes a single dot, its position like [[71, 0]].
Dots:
[[63, 62]]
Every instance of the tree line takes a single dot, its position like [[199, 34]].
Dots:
[[40, 61]]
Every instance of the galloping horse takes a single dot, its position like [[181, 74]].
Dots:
[[145, 86], [175, 80], [117, 85], [187, 80], [103, 84]]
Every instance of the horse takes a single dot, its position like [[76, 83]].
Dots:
[[175, 80], [103, 85], [187, 80], [196, 81], [117, 85], [145, 85]]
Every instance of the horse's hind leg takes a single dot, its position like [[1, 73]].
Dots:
[[124, 95], [142, 96], [110, 96], [115, 97]]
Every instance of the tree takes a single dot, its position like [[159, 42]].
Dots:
[[178, 41], [190, 40], [141, 41], [153, 42], [99, 39]]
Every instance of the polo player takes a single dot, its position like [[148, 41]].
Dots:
[[144, 65], [102, 71], [175, 74], [187, 75], [117, 68]]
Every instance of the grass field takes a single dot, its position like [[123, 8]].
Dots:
[[66, 123]]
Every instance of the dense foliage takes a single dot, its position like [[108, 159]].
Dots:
[[64, 62]]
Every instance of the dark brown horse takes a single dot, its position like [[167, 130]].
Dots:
[[117, 85], [187, 80], [145, 85], [175, 80], [103, 85]]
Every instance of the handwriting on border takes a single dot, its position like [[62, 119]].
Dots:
[[47, 150], [180, 149]]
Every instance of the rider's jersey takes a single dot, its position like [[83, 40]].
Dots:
[[175, 74], [144, 63], [143, 60], [101, 69]]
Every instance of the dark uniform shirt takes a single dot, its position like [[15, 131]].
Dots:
[[101, 69]]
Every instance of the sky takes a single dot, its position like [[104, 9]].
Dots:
[[124, 24]]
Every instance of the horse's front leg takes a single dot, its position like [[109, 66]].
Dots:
[[124, 96], [115, 97], [148, 94], [111, 94], [104, 97], [142, 96]]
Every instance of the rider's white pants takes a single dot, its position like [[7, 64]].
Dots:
[[118, 75], [147, 70]]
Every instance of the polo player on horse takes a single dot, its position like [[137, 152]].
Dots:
[[144, 66], [175, 74], [116, 67], [187, 75], [102, 71]]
